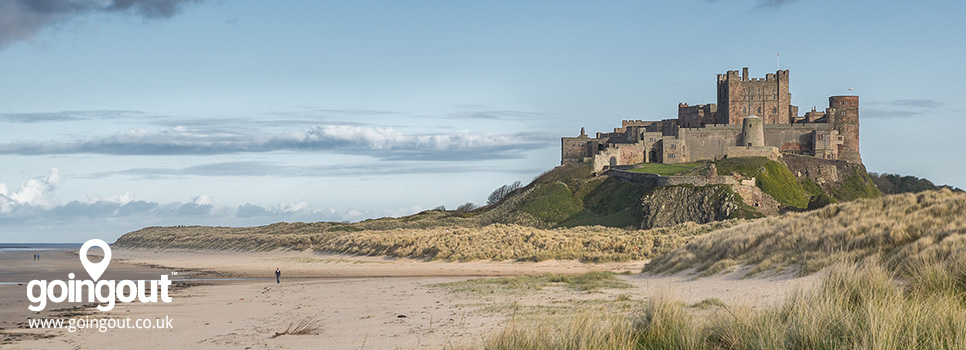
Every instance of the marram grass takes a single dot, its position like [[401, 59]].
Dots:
[[490, 242], [900, 229], [857, 306]]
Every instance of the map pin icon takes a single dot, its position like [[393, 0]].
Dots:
[[95, 270]]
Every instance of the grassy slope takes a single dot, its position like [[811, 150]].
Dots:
[[772, 177], [856, 185], [665, 169], [777, 181], [497, 241], [896, 228]]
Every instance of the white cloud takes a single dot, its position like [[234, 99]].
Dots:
[[203, 199], [123, 198], [36, 192], [380, 142], [403, 211], [294, 207]]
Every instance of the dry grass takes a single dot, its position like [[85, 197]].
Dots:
[[592, 329], [899, 229], [496, 241], [513, 242], [894, 278], [302, 326], [588, 282], [858, 306]]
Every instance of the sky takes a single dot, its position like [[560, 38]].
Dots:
[[121, 114]]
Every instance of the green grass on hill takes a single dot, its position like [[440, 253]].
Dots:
[[772, 177], [856, 185], [552, 202], [609, 202], [664, 169]]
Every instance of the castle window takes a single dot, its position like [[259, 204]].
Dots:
[[744, 110], [759, 110], [673, 146], [774, 109], [820, 137]]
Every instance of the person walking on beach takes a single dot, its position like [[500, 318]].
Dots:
[[278, 276]]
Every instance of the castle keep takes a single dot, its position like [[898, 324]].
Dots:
[[752, 117]]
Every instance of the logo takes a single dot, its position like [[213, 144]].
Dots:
[[104, 292]]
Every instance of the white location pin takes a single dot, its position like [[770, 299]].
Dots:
[[95, 270]]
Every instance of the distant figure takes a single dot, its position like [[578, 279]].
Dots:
[[278, 276], [35, 257]]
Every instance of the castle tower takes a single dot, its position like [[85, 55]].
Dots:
[[740, 96], [844, 117], [752, 132]]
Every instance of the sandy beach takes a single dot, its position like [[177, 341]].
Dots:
[[356, 302]]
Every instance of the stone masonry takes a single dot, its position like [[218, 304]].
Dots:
[[753, 117]]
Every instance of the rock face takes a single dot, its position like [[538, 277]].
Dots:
[[758, 200], [668, 206]]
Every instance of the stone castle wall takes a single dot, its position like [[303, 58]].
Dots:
[[709, 131], [739, 97], [657, 180], [845, 119], [793, 137], [710, 142]]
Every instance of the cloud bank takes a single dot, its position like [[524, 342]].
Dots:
[[769, 4], [34, 203], [378, 142], [22, 19]]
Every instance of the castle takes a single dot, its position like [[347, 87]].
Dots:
[[752, 117]]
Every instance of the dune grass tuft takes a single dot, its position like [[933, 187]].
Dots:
[[302, 326]]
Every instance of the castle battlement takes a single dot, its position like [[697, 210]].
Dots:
[[713, 131]]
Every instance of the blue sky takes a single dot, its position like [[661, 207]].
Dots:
[[115, 115]]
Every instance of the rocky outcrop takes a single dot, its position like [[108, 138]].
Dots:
[[668, 206], [758, 199]]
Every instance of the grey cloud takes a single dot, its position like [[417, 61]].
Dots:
[[101, 209], [64, 116], [904, 108], [911, 103], [918, 103], [250, 210], [382, 143], [193, 209], [256, 168], [505, 115], [21, 19], [888, 114], [774, 3], [766, 4]]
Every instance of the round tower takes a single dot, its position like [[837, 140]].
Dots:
[[752, 132], [845, 120]]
